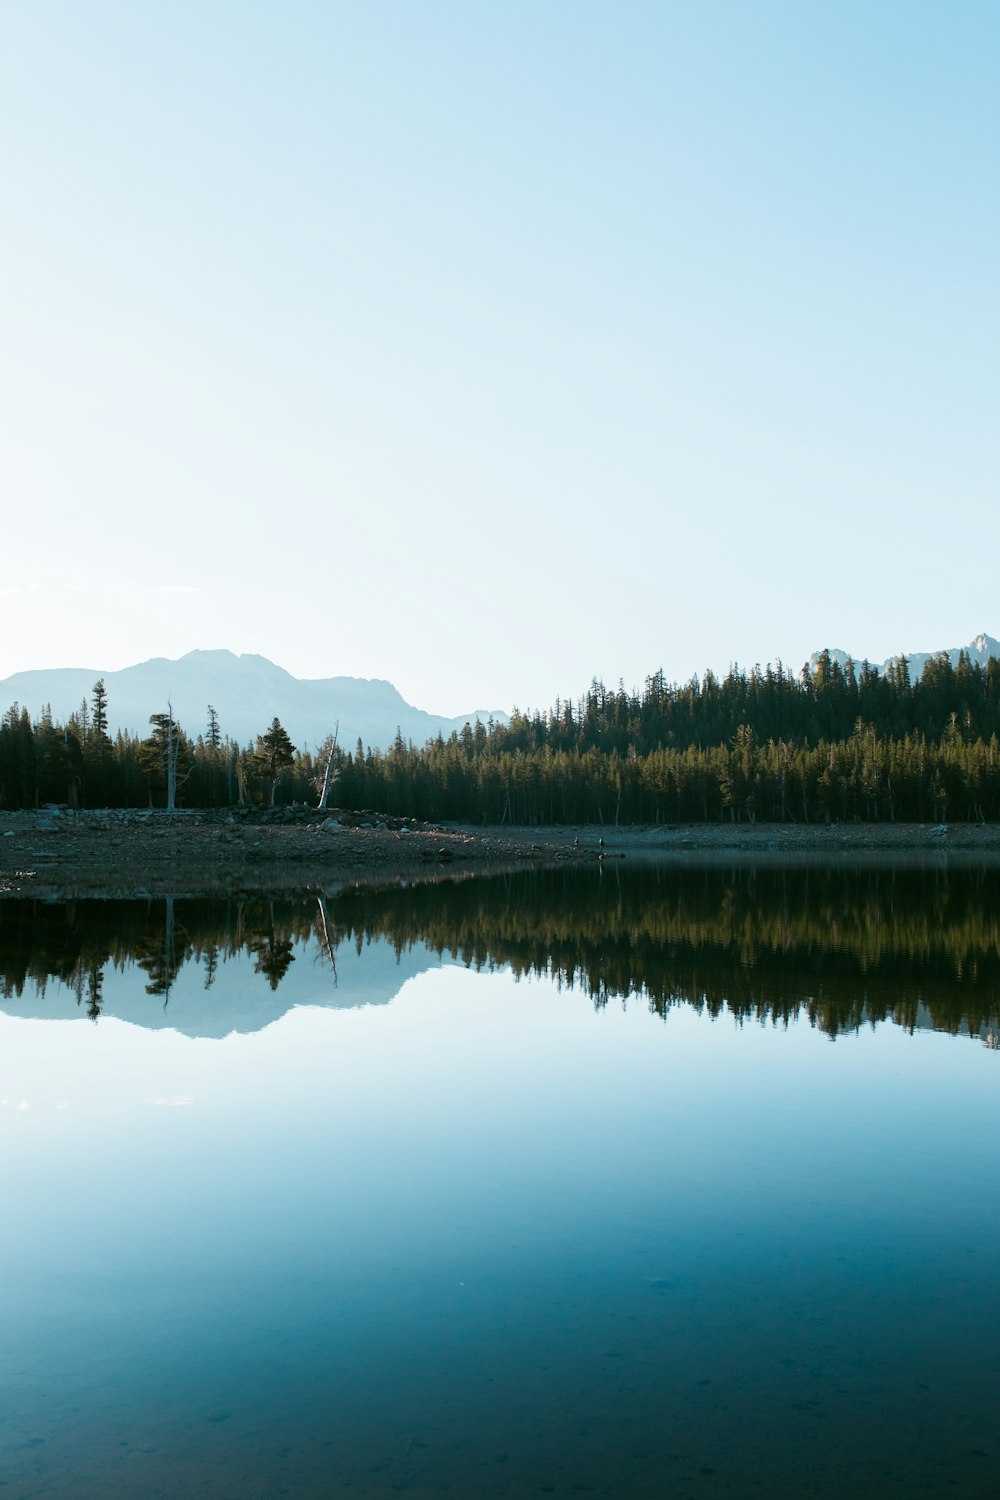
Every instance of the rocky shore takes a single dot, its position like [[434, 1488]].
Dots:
[[57, 851], [54, 851]]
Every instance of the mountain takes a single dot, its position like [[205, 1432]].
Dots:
[[979, 650], [246, 691]]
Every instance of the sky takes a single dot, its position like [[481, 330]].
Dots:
[[491, 348]]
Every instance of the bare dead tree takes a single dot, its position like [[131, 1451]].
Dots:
[[329, 776]]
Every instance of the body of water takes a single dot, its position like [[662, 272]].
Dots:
[[622, 1184]]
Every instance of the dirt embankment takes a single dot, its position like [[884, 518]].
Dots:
[[57, 851], [54, 851]]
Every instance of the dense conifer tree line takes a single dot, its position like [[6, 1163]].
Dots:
[[79, 764], [835, 743]]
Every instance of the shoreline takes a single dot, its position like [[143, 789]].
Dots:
[[56, 852]]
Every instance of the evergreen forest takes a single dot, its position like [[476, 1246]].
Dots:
[[834, 743]]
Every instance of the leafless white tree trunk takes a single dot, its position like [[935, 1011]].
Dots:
[[173, 752], [329, 777]]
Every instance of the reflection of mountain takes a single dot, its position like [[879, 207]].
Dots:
[[111, 957], [917, 946], [239, 1000]]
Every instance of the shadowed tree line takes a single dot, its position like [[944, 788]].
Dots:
[[79, 764], [833, 744], [845, 948], [836, 743]]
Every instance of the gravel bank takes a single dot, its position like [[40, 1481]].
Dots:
[[58, 852]]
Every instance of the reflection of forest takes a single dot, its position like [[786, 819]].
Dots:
[[846, 947], [76, 941]]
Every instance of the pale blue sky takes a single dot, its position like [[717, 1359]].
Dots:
[[490, 347]]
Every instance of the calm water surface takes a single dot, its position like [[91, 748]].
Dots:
[[646, 1184]]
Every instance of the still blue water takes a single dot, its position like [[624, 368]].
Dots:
[[416, 1228]]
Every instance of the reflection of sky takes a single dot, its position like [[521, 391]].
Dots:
[[500, 1081], [488, 1176]]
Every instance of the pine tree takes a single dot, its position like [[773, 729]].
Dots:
[[166, 755], [213, 736], [99, 716], [275, 752]]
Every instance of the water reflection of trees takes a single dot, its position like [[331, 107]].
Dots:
[[77, 941], [844, 947]]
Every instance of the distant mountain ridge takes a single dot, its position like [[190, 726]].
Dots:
[[246, 691], [979, 650]]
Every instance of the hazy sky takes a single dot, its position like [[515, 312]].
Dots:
[[491, 347]]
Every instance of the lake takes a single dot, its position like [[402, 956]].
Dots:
[[623, 1182]]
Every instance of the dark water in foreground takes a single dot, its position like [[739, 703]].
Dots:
[[645, 1184]]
